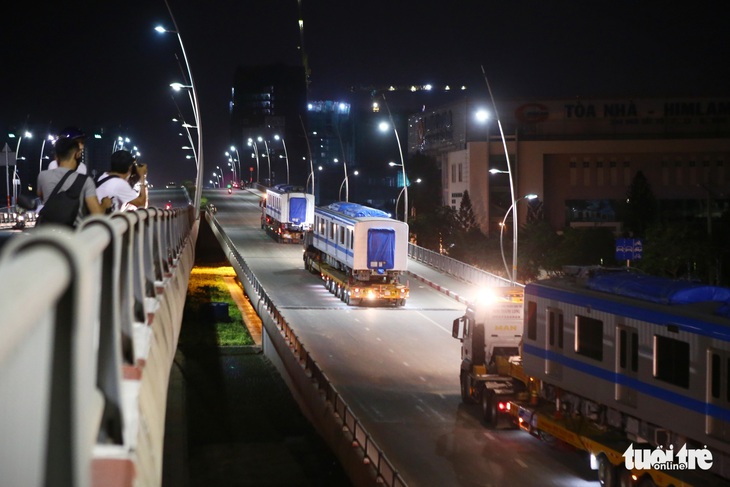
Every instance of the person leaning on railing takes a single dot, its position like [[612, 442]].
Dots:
[[68, 154], [117, 182]]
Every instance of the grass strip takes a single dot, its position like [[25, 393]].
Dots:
[[204, 322]]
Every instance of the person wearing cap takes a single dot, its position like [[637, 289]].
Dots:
[[67, 153], [115, 183], [73, 133]]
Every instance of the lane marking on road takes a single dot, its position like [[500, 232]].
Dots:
[[490, 436], [438, 325], [520, 463]]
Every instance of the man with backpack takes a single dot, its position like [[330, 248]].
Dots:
[[115, 183], [67, 195]]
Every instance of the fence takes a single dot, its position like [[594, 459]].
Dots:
[[89, 327]]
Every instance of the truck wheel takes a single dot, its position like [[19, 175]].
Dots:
[[606, 472], [489, 413], [466, 390]]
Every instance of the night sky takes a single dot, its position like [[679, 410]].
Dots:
[[100, 64]]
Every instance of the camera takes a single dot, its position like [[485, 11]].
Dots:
[[134, 176]]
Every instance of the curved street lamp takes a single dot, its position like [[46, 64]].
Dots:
[[252, 143], [512, 208], [286, 156], [196, 111], [50, 138], [268, 158], [238, 158], [384, 127]]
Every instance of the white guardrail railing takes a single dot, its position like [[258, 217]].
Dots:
[[89, 322]]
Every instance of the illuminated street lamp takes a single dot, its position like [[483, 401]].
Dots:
[[286, 156], [384, 127], [347, 196], [268, 159], [196, 110], [238, 158], [26, 135], [513, 209], [252, 143], [50, 138], [187, 128]]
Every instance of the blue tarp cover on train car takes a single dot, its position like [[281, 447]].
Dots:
[[297, 210], [657, 289], [354, 210], [381, 248]]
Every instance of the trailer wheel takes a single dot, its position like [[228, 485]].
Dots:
[[624, 478], [489, 408], [466, 397], [606, 472]]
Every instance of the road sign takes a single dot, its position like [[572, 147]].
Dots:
[[629, 248]]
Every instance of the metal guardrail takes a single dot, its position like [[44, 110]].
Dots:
[[457, 269], [362, 440], [89, 322]]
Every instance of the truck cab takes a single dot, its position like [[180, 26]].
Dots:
[[491, 333]]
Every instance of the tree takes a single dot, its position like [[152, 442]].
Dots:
[[640, 210], [537, 252], [674, 249]]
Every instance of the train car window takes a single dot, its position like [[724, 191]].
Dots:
[[589, 337], [532, 320], [342, 235], [555, 328], [628, 350], [671, 361], [332, 231], [715, 376]]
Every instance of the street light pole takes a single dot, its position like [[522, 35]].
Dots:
[[268, 157], [402, 161], [513, 209], [196, 112], [309, 151], [238, 158], [286, 156], [252, 143], [511, 180]]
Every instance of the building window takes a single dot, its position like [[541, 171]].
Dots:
[[671, 361], [589, 337]]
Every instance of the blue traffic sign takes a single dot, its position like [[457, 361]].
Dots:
[[629, 248]]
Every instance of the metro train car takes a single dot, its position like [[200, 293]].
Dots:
[[644, 355], [287, 212], [359, 251], [360, 238]]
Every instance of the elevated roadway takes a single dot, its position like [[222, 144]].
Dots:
[[396, 369]]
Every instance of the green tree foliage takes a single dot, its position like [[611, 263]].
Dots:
[[674, 249], [537, 250], [640, 210], [469, 241], [587, 246], [435, 230]]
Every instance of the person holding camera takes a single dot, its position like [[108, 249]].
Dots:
[[119, 181]]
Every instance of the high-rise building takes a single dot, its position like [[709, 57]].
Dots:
[[266, 102]]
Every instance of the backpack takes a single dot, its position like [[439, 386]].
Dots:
[[62, 207]]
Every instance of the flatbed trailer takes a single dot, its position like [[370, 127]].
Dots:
[[355, 292], [606, 447]]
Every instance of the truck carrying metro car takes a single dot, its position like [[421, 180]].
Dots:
[[359, 252], [629, 368], [287, 212]]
